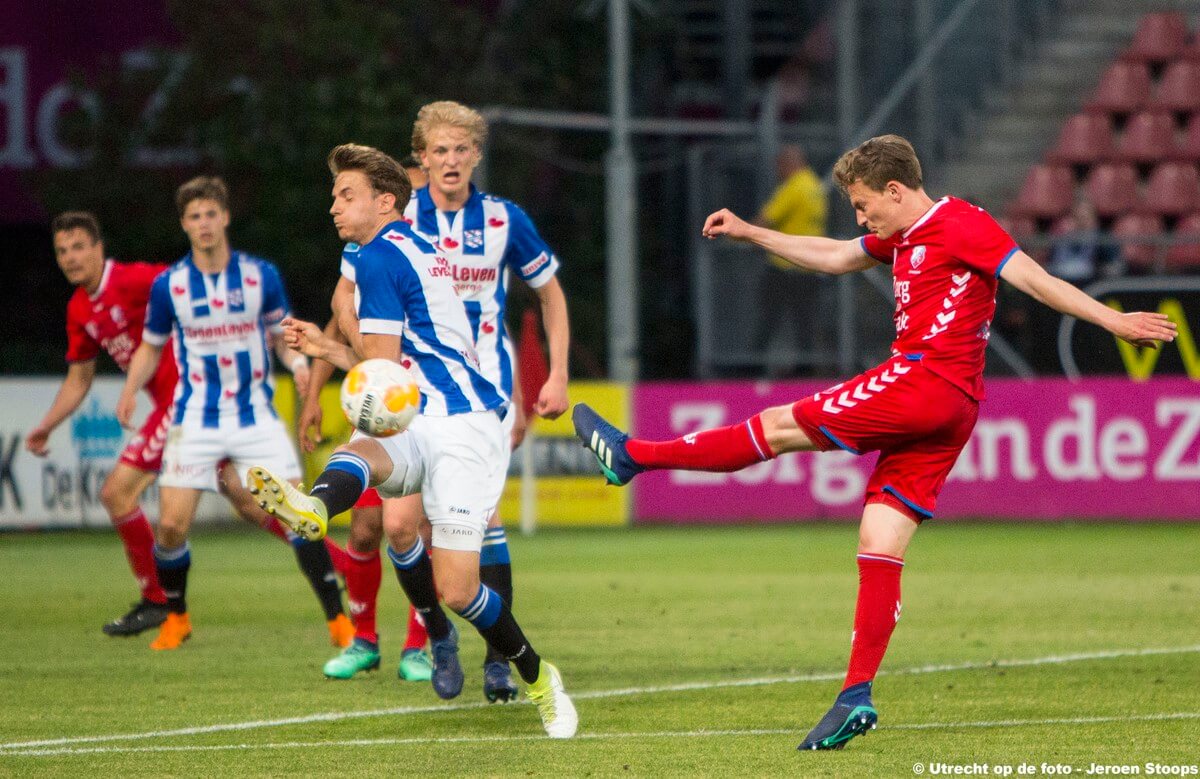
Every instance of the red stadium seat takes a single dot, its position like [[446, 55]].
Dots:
[[1084, 138], [1148, 137], [1179, 89], [1173, 190], [1187, 148], [1159, 37], [1046, 193], [1124, 88], [1185, 255], [1112, 189], [1138, 255]]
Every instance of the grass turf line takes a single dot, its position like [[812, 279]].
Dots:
[[631, 609]]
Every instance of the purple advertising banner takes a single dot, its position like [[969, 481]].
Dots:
[[1043, 450]]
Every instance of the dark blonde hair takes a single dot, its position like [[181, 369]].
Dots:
[[878, 161], [449, 114], [76, 220], [384, 173], [202, 188]]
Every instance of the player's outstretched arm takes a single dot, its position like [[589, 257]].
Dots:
[[72, 392], [1140, 328], [552, 400], [141, 367], [814, 253], [307, 338]]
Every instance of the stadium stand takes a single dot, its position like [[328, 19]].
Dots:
[[1133, 151]]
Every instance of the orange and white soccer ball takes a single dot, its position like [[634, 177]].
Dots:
[[380, 398]]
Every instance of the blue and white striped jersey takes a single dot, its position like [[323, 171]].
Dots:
[[404, 287], [220, 322], [484, 241]]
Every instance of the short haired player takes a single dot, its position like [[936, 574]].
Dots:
[[452, 453], [917, 409], [220, 306]]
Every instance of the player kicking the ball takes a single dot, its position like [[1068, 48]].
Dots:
[[917, 409], [452, 453]]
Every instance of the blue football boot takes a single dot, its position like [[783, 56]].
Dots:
[[852, 715], [607, 443], [447, 671]]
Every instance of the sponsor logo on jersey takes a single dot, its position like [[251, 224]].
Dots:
[[535, 265]]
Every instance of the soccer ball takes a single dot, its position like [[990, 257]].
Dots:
[[380, 398]]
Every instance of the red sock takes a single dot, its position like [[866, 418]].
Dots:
[[138, 538], [417, 635], [279, 530], [363, 575], [722, 449], [338, 556], [876, 615]]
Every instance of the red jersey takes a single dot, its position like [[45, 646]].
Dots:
[[945, 273], [112, 319]]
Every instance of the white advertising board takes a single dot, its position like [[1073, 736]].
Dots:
[[62, 490]]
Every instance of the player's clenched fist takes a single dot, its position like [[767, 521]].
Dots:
[[725, 222], [304, 337]]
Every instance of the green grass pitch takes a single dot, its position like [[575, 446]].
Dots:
[[692, 652]]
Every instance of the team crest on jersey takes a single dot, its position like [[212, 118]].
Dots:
[[473, 238], [92, 330], [234, 297], [118, 316], [917, 257]]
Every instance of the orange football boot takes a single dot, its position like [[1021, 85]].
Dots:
[[176, 630], [341, 631]]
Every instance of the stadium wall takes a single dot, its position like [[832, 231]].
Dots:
[[62, 490], [1044, 450]]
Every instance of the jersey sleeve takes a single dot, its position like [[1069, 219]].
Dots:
[[275, 303], [349, 257], [81, 347], [527, 253], [980, 243], [382, 303], [160, 312], [877, 248]]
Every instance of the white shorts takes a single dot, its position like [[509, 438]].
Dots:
[[458, 464], [192, 453]]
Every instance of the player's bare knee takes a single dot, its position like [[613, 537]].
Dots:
[[171, 534], [782, 432], [457, 591], [117, 502]]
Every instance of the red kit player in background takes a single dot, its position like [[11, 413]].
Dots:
[[917, 409], [106, 313]]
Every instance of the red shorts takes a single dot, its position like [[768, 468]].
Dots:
[[145, 450], [368, 500], [916, 420]]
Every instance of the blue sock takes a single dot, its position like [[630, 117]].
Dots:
[[858, 695], [495, 548]]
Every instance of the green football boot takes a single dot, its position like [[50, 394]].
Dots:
[[359, 656], [415, 666]]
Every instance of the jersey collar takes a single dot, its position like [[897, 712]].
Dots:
[[103, 281], [924, 217]]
